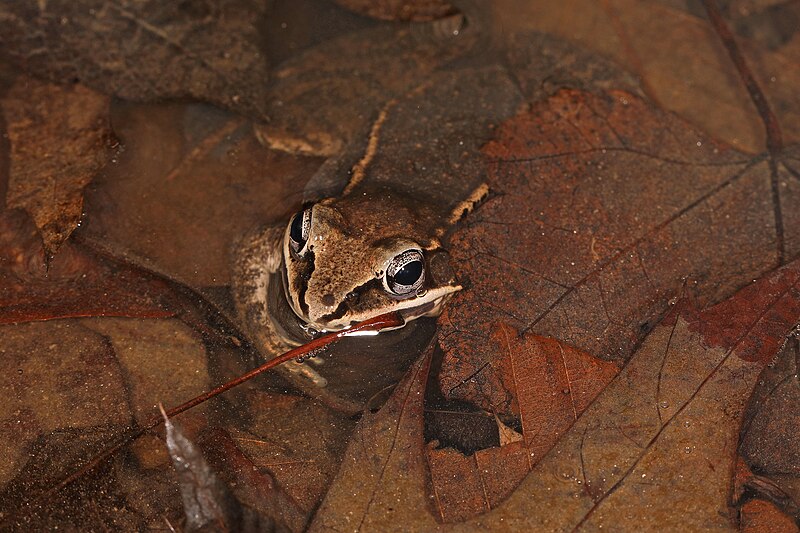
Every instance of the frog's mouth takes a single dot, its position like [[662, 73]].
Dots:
[[410, 309]]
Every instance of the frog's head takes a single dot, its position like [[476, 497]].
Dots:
[[353, 258]]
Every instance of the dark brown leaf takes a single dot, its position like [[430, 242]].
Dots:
[[679, 59], [59, 136], [661, 437], [618, 203], [380, 484], [323, 98], [208, 502], [144, 50], [550, 385]]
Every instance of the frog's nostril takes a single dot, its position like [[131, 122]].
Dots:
[[328, 300]]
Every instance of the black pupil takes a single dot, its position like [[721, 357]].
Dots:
[[296, 232], [409, 274]]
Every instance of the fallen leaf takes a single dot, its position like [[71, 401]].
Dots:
[[208, 502], [759, 516], [38, 377], [678, 57], [587, 184], [551, 385], [663, 435], [378, 486], [274, 441], [772, 421], [59, 136], [148, 354], [189, 182], [656, 449], [144, 50], [321, 100], [76, 284], [253, 487]]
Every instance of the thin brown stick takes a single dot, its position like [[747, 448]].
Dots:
[[378, 323]]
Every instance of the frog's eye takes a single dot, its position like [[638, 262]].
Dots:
[[405, 273], [299, 228]]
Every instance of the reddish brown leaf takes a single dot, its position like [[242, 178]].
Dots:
[[617, 204], [759, 516], [59, 139], [77, 284], [457, 484], [551, 384], [656, 449]]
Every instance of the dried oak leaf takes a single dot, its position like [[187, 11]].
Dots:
[[320, 100], [603, 206], [144, 49], [550, 385], [416, 10], [695, 78], [656, 449], [59, 136]]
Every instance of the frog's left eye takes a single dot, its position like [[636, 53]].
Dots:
[[405, 273], [299, 228]]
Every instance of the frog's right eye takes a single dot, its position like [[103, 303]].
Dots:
[[299, 228]]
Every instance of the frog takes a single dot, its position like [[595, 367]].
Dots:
[[370, 236], [336, 262]]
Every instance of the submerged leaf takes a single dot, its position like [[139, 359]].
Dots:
[[143, 49], [208, 503], [656, 449], [59, 137]]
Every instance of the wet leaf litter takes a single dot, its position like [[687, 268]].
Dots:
[[613, 230]]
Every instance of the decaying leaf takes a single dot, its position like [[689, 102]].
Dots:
[[694, 78], [550, 385], [618, 203], [76, 284], [324, 97], [759, 516], [771, 428], [59, 136], [190, 182], [656, 449], [143, 49], [208, 503], [378, 486]]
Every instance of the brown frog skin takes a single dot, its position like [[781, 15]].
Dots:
[[344, 262]]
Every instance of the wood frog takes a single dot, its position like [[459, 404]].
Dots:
[[372, 243]]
